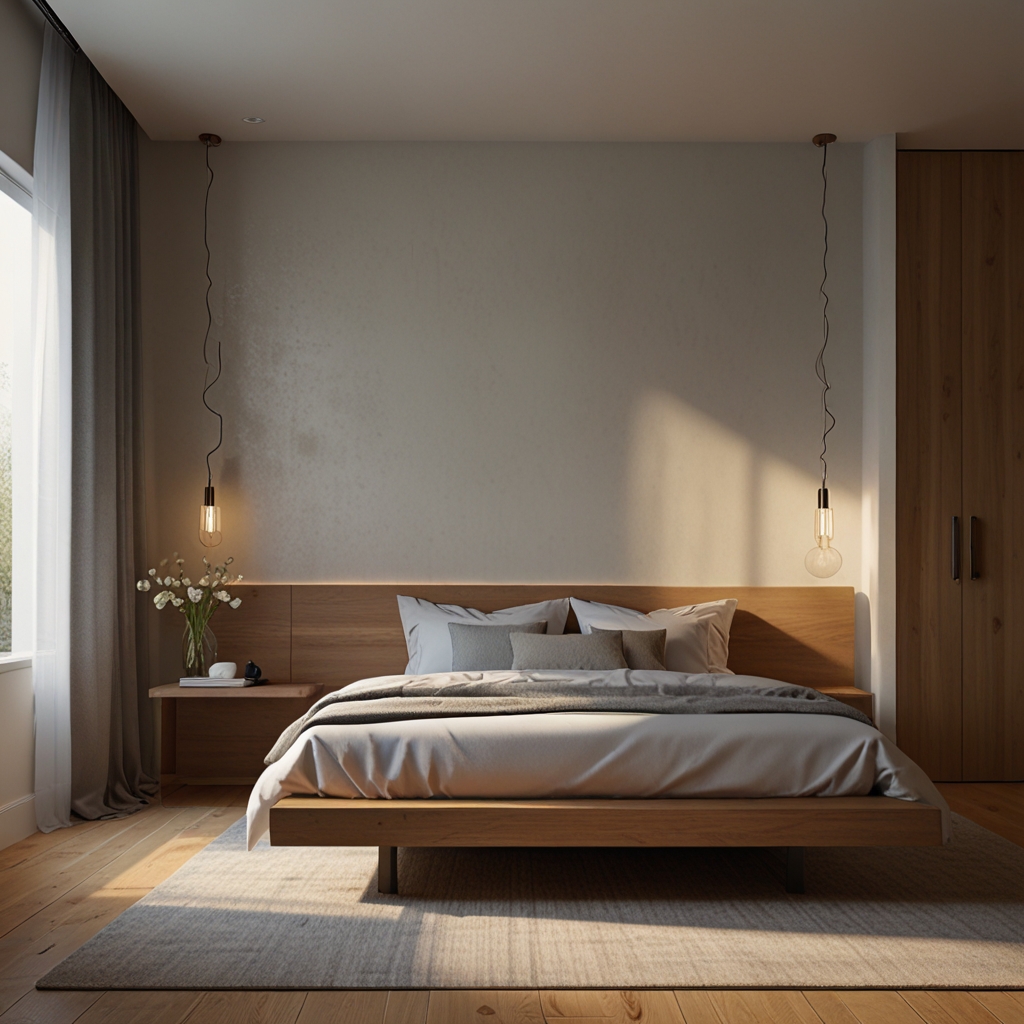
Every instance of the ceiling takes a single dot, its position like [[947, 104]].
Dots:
[[940, 73]]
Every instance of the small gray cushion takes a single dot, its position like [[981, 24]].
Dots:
[[486, 648], [642, 648], [600, 651]]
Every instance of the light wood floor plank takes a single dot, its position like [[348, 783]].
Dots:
[[150, 871], [37, 1007], [949, 1008], [769, 1007], [998, 806], [696, 1006], [495, 1007], [1002, 1006], [610, 1006], [248, 1008], [40, 843], [34, 929], [344, 1008], [28, 891], [406, 1007], [80, 925], [829, 1007], [134, 1007], [879, 1007]]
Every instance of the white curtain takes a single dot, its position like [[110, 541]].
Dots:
[[51, 329]]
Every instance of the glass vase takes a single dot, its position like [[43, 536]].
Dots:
[[198, 651]]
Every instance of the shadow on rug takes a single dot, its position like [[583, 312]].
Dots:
[[308, 918]]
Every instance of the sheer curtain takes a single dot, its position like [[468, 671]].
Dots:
[[51, 329]]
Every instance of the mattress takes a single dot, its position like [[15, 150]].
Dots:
[[594, 754]]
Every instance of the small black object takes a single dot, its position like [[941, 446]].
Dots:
[[254, 672]]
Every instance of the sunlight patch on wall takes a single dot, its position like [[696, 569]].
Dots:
[[708, 508]]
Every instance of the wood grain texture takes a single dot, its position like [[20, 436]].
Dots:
[[248, 1008], [222, 737], [344, 1008], [928, 459], [993, 474], [273, 691], [803, 635], [612, 1006], [407, 1007], [502, 1006], [807, 821], [258, 630]]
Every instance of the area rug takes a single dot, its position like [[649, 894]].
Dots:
[[310, 918]]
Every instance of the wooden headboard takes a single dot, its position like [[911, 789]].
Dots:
[[334, 634]]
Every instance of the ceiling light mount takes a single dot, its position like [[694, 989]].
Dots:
[[253, 120], [207, 139], [824, 139]]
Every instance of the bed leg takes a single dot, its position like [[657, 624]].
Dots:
[[795, 869], [387, 869]]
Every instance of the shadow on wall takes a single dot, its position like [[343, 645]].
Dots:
[[709, 507]]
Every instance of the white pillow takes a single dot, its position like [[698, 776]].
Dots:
[[696, 635], [426, 627]]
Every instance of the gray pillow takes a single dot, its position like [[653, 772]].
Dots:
[[567, 652], [486, 648], [642, 648]]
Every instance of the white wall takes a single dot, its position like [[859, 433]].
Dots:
[[17, 752], [508, 362], [876, 660]]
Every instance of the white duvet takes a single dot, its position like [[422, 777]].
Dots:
[[604, 754]]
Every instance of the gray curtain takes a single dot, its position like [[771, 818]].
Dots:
[[112, 744]]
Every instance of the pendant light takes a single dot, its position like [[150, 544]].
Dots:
[[209, 513], [823, 560]]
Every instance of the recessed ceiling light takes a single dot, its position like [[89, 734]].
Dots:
[[253, 120]]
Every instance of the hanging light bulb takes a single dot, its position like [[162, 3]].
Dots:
[[823, 560], [209, 511], [209, 520]]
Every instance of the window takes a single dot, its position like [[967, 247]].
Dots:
[[15, 373]]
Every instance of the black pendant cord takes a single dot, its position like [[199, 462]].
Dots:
[[209, 324], [828, 421]]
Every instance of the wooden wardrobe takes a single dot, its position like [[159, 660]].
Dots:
[[960, 463]]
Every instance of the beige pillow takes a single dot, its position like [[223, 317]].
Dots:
[[642, 648], [485, 648], [571, 651], [697, 635]]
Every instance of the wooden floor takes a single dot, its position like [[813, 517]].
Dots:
[[57, 890]]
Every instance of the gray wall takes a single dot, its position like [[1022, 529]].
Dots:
[[21, 52], [509, 362]]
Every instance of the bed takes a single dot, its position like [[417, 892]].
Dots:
[[789, 781]]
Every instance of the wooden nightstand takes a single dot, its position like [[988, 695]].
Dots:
[[220, 735]]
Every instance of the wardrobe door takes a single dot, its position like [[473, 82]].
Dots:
[[928, 472], [993, 477]]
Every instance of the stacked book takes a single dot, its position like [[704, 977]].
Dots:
[[207, 681]]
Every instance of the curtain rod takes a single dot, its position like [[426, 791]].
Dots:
[[58, 25]]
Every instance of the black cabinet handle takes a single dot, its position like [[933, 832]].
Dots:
[[975, 573], [956, 548]]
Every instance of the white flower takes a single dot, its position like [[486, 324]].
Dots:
[[162, 598], [143, 585], [194, 595], [222, 595], [177, 601], [236, 602], [175, 583], [152, 572], [187, 582], [168, 581], [205, 581], [238, 578]]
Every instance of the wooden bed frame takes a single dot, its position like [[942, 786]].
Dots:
[[333, 635]]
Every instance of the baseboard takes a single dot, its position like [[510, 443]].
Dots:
[[17, 820]]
